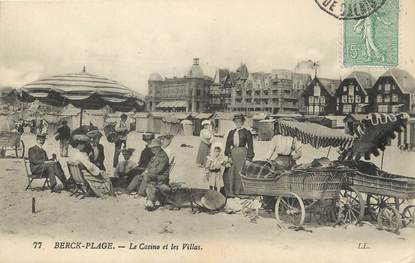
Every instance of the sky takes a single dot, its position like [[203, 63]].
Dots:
[[128, 40]]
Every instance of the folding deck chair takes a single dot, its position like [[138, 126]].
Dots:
[[31, 177], [81, 186]]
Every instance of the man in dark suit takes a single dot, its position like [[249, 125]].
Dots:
[[40, 163]]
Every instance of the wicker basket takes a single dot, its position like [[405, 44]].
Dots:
[[316, 184]]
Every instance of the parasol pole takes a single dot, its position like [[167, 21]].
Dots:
[[80, 119], [381, 161], [328, 152]]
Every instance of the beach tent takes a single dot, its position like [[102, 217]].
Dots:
[[187, 126], [73, 116], [155, 121], [5, 122], [223, 122], [142, 123], [197, 118], [172, 123], [265, 130], [257, 117]]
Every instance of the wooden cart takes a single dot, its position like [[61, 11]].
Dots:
[[385, 199], [315, 191], [12, 140]]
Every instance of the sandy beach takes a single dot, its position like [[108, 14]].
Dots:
[[218, 237]]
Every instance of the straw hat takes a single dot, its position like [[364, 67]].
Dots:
[[239, 116], [205, 122], [213, 200]]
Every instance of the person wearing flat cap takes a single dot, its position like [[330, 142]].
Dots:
[[40, 164], [145, 157], [239, 148], [96, 149], [155, 183], [125, 170], [206, 137], [97, 179]]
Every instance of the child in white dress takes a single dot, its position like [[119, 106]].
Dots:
[[214, 172]]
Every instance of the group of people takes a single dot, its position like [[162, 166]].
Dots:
[[223, 166], [150, 176]]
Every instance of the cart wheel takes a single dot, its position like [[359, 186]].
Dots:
[[19, 149], [375, 202], [350, 207], [389, 219], [290, 209], [408, 215]]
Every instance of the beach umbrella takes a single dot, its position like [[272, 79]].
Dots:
[[84, 91]]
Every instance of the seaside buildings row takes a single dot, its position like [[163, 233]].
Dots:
[[281, 91]]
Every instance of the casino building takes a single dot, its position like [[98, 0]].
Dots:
[[189, 93]]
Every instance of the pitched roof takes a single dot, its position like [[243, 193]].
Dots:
[[330, 85], [365, 80], [403, 79], [243, 72], [221, 75]]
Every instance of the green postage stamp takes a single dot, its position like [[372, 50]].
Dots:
[[373, 40]]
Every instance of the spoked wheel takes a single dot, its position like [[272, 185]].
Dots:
[[408, 215], [19, 150], [350, 207], [376, 202], [389, 219], [290, 209]]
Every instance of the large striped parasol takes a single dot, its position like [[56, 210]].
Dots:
[[84, 91]]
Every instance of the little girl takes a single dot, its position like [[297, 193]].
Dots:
[[214, 172]]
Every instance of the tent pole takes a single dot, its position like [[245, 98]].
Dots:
[[80, 119], [328, 152], [381, 162]]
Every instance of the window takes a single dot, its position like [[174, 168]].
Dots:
[[380, 87], [323, 100], [316, 109], [338, 100], [395, 98], [317, 90], [351, 98], [337, 107], [383, 108], [396, 108], [359, 108], [379, 98], [316, 100], [367, 99], [310, 110], [387, 98], [347, 108], [310, 99], [351, 90], [387, 88], [344, 88], [344, 99], [358, 99]]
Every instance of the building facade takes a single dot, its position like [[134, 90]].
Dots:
[[186, 94], [394, 91], [319, 96], [220, 91], [355, 94], [272, 92]]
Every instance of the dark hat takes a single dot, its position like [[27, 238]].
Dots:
[[64, 122], [239, 116], [148, 136], [124, 116], [155, 143], [128, 150], [167, 136], [94, 133], [80, 138], [41, 136]]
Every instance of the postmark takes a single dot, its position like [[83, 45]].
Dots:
[[373, 40], [350, 9]]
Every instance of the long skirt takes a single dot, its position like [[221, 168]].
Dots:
[[202, 153], [232, 179]]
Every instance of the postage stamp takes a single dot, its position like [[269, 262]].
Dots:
[[374, 40]]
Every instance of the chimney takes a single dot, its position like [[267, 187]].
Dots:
[[196, 61]]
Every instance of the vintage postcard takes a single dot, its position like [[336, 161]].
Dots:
[[207, 131]]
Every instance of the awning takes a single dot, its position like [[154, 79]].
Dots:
[[315, 134], [172, 104]]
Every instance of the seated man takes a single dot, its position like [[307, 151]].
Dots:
[[156, 177], [125, 170], [145, 158], [40, 163]]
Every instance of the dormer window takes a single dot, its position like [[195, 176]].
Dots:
[[387, 88]]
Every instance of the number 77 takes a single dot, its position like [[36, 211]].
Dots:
[[37, 244]]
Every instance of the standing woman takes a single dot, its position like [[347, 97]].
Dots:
[[239, 148], [206, 137]]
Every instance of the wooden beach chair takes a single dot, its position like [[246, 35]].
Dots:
[[31, 177], [81, 186]]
